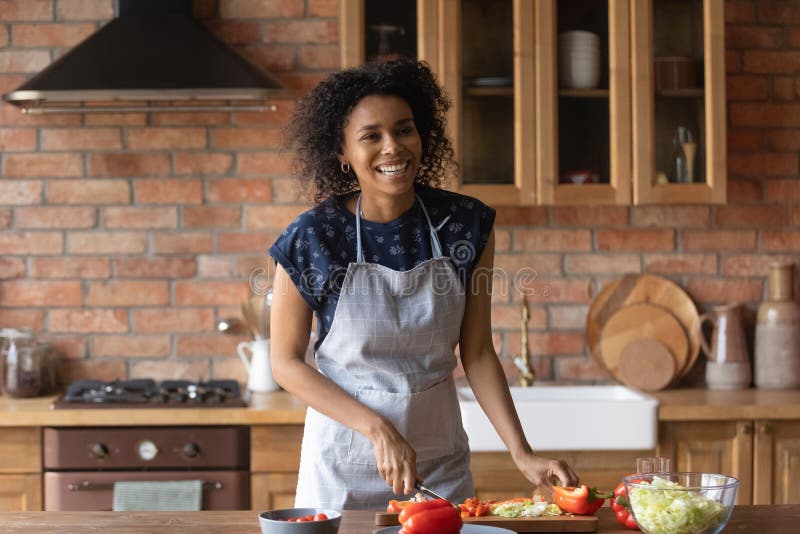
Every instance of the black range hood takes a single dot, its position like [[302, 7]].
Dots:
[[152, 52]]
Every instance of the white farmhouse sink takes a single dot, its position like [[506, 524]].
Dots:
[[576, 418]]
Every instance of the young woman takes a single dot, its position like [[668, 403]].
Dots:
[[391, 266]]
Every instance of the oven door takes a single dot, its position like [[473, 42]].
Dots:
[[94, 490]]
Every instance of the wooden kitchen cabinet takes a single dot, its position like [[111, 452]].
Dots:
[[274, 463], [518, 135], [21, 493], [777, 462], [713, 447], [20, 469]]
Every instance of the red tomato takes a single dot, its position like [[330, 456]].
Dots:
[[320, 517]]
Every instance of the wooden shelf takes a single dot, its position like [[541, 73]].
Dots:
[[583, 93], [489, 91], [680, 93]]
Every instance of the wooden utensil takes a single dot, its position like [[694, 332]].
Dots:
[[645, 288], [641, 321], [646, 364], [559, 523]]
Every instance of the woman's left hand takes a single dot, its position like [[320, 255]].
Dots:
[[545, 471]]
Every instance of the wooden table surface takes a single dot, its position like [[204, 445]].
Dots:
[[764, 519]]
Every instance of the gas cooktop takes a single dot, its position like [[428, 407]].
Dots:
[[148, 393]]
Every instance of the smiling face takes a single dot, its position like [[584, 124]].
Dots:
[[382, 146]]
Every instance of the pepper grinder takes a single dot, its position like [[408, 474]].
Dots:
[[777, 343]]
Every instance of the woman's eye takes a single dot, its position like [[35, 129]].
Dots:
[[370, 137], [407, 130]]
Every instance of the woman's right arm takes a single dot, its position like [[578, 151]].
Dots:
[[290, 328]]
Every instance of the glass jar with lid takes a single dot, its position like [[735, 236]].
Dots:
[[22, 363]]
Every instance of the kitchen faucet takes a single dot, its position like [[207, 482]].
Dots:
[[526, 374]]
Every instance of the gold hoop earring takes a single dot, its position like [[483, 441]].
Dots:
[[345, 167]]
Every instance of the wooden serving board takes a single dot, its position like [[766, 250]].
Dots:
[[550, 523], [638, 289]]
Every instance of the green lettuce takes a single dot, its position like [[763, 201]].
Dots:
[[670, 508], [524, 508]]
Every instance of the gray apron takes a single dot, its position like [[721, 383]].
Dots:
[[390, 346]]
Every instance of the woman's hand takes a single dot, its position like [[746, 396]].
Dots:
[[545, 471], [395, 458]]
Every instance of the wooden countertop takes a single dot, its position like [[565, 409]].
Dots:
[[705, 404], [283, 408], [263, 409], [745, 520]]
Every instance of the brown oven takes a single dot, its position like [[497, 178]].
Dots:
[[81, 464]]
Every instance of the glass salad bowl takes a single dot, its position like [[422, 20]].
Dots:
[[681, 503]]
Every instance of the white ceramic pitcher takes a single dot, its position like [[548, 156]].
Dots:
[[258, 367]]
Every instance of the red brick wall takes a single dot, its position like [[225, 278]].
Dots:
[[125, 237]]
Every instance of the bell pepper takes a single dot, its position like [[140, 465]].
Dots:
[[436, 516], [621, 508], [395, 506], [581, 500]]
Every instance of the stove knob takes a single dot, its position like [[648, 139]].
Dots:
[[191, 450], [99, 450]]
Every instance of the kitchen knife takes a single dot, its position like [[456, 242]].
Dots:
[[429, 493]]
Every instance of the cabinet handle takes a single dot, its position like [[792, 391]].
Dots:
[[747, 430], [85, 485], [764, 428]]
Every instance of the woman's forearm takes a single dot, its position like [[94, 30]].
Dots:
[[488, 382], [322, 394]]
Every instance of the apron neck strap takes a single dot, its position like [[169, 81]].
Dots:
[[435, 244]]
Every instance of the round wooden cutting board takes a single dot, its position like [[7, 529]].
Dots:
[[638, 289], [647, 364], [642, 321]]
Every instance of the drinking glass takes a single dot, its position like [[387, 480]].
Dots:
[[652, 465]]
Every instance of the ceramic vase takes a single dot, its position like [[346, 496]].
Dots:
[[777, 343]]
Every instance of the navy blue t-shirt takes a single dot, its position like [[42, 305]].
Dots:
[[316, 248]]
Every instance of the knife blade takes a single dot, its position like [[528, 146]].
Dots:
[[429, 492]]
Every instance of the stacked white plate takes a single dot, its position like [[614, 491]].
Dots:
[[578, 59]]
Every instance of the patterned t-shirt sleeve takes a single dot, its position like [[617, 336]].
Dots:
[[466, 231], [301, 254]]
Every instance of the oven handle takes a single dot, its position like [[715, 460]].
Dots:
[[85, 485]]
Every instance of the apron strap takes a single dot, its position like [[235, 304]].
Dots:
[[435, 244]]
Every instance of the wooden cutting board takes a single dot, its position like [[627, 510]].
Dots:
[[643, 288], [637, 322], [558, 523], [647, 364]]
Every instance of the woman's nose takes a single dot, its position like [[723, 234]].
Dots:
[[391, 145]]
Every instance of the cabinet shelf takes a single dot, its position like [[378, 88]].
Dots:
[[489, 91], [583, 93], [681, 93]]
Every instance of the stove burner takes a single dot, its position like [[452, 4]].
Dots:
[[147, 393]]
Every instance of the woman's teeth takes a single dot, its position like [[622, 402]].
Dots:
[[392, 170]]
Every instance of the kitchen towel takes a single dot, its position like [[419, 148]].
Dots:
[[166, 496]]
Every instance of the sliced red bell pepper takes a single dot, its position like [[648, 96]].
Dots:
[[395, 506], [414, 508], [582, 500], [433, 520], [621, 508]]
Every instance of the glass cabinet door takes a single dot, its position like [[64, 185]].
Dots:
[[583, 138], [679, 101], [374, 30], [487, 71]]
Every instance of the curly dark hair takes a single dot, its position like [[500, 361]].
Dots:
[[315, 131]]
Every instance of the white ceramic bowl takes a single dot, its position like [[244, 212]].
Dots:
[[275, 521], [690, 503]]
